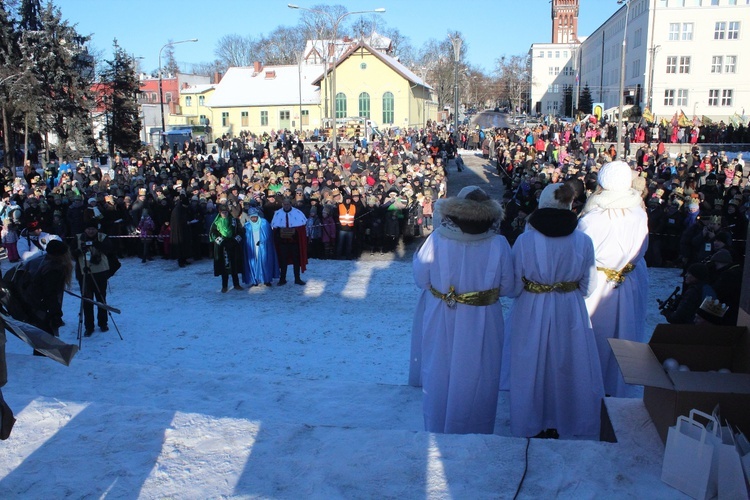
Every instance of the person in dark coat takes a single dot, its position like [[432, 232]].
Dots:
[[92, 256], [179, 237], [50, 275], [727, 281], [695, 290], [226, 235]]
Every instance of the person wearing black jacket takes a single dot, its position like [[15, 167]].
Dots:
[[92, 255], [50, 274]]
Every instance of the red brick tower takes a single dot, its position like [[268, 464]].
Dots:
[[565, 21]]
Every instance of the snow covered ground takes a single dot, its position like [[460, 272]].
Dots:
[[282, 392]]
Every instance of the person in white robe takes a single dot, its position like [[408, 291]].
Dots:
[[615, 218], [463, 268], [550, 358]]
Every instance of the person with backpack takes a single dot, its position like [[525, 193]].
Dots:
[[92, 255], [32, 241], [47, 277]]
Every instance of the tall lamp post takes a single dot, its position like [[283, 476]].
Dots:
[[335, 22], [161, 92], [456, 41], [622, 76]]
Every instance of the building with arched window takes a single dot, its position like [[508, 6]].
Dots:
[[373, 85]]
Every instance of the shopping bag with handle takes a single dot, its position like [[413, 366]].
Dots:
[[689, 458]]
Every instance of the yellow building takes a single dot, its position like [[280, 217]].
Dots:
[[373, 85], [260, 99], [193, 110]]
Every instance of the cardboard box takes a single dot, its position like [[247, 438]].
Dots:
[[667, 395]]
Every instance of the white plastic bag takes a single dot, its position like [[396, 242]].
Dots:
[[731, 478], [689, 458]]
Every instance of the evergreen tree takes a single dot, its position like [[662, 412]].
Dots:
[[10, 71], [31, 15], [170, 66], [586, 103], [60, 102], [120, 82], [568, 101]]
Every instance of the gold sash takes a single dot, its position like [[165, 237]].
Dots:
[[617, 277], [484, 298], [562, 286]]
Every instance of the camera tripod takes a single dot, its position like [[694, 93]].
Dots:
[[102, 305]]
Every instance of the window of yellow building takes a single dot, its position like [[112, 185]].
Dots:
[[201, 100], [188, 101], [225, 119], [305, 117], [388, 106], [244, 119], [364, 105], [264, 118], [340, 105]]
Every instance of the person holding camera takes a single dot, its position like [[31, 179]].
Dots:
[[93, 272]]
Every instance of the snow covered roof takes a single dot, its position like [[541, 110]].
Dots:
[[270, 86], [197, 89], [394, 64]]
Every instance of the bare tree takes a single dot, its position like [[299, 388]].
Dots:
[[514, 75], [437, 62], [281, 46], [208, 68], [234, 51]]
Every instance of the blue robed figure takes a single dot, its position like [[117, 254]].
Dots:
[[261, 263]]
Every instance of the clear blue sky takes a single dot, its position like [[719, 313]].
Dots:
[[491, 28]]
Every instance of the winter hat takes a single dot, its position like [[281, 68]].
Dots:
[[91, 223], [615, 176], [92, 200], [56, 248], [33, 225], [549, 198], [699, 271], [722, 257]]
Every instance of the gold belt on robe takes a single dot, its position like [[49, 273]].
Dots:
[[483, 298], [562, 286], [617, 277]]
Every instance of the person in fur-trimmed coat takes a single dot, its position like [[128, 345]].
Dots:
[[463, 268]]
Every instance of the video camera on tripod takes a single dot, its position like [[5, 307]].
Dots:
[[671, 301]]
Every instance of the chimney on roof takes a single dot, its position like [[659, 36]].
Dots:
[[217, 77], [185, 85], [257, 66]]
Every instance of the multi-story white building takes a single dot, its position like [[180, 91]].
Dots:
[[554, 65], [553, 69], [681, 55]]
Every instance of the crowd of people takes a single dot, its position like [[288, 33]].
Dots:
[[365, 199], [258, 204]]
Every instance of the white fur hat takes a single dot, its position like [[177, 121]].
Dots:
[[548, 200], [616, 176]]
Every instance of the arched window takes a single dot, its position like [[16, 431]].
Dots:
[[340, 105], [364, 105], [388, 108]]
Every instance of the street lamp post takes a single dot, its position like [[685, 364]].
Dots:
[[622, 76], [335, 22], [161, 92], [456, 41]]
